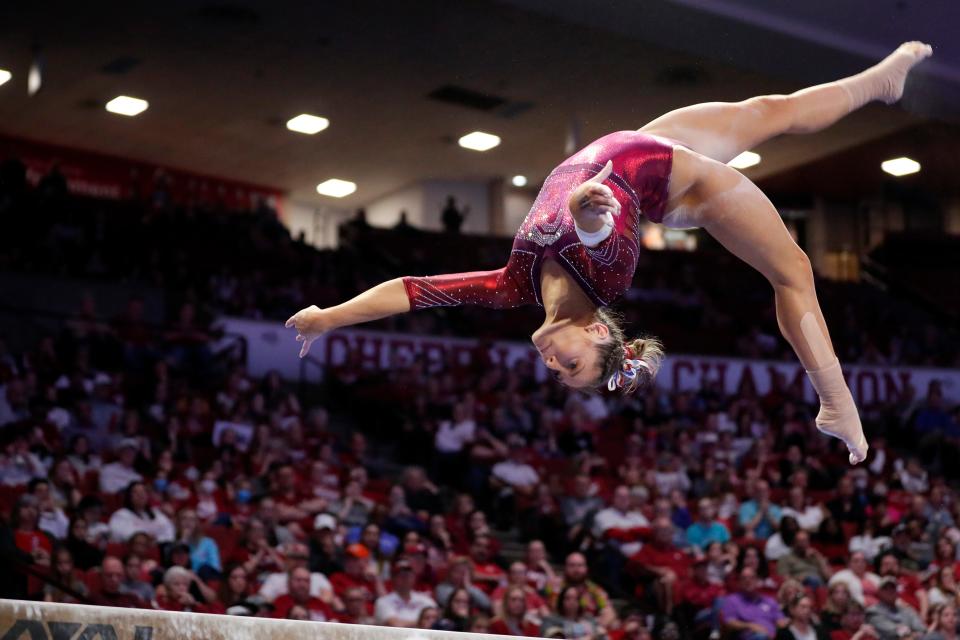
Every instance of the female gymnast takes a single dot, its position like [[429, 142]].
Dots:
[[577, 249]]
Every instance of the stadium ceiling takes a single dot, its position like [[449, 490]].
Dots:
[[401, 81]]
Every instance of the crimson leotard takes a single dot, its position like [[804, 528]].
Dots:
[[640, 181]]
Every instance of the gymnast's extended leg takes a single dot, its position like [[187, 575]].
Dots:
[[723, 130], [735, 212]]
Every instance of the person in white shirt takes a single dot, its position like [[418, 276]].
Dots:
[[453, 435], [514, 472], [862, 582], [808, 516], [619, 516], [52, 518], [402, 606], [117, 476], [136, 516], [296, 555]]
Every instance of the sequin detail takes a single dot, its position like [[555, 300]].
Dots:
[[640, 182]]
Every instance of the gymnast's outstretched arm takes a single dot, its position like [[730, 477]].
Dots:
[[386, 299]]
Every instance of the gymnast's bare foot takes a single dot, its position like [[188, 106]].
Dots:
[[891, 73]]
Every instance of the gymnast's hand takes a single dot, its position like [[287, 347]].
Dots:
[[592, 203], [310, 323]]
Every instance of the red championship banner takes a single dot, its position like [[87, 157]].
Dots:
[[96, 175], [270, 346]]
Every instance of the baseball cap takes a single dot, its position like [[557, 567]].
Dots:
[[888, 581], [357, 550], [324, 521], [402, 564]]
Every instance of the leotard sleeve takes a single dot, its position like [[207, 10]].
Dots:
[[500, 289]]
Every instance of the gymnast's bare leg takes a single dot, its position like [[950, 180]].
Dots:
[[707, 193]]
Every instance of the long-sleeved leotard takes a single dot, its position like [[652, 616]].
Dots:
[[640, 181]]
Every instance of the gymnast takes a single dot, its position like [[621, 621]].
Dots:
[[577, 249]]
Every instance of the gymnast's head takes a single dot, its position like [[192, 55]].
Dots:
[[593, 353]]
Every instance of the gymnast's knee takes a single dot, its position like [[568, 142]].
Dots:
[[795, 272]]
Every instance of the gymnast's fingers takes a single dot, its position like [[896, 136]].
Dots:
[[306, 346], [292, 321]]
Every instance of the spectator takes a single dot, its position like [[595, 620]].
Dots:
[[359, 572], [51, 519], [861, 582], [137, 515], [780, 543], [63, 573], [706, 529], [299, 579], [804, 563], [539, 571], [452, 217], [295, 555], [401, 607], [749, 615], [176, 595], [111, 581], [853, 625], [356, 605], [662, 562], [456, 613], [133, 578], [892, 619], [847, 507], [698, 595], [204, 552], [517, 578], [429, 616], [235, 588], [620, 525], [513, 477], [118, 475], [758, 516], [943, 588], [569, 620], [944, 622], [808, 516], [838, 599], [579, 505], [487, 574], [800, 624], [909, 588], [27, 536], [85, 555], [593, 598], [514, 618], [460, 576]]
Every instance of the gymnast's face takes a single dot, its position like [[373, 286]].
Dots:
[[570, 351]]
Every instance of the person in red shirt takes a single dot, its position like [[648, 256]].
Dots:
[[698, 594], [358, 571], [356, 607], [111, 579], [29, 538], [632, 628], [175, 595], [515, 619], [486, 574], [517, 577], [299, 594], [852, 625], [662, 561]]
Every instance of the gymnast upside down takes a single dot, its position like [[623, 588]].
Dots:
[[577, 249]]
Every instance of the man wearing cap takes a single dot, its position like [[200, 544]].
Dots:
[[295, 554], [116, 476], [909, 589], [893, 620], [402, 606], [358, 572]]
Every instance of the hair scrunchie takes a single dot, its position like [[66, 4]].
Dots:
[[627, 372]]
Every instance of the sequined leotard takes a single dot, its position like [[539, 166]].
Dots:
[[640, 180]]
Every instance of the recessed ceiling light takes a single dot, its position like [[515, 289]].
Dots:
[[336, 188], [5, 76], [127, 106], [479, 141], [308, 124], [900, 166], [744, 160], [519, 181]]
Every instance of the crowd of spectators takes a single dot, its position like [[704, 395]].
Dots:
[[472, 498]]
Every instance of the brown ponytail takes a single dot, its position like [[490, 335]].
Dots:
[[647, 350]]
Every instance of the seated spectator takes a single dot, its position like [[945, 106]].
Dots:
[[358, 572], [620, 525], [401, 607], [204, 552], [808, 516], [849, 505], [428, 619], [118, 475], [511, 478], [800, 625], [456, 613], [63, 573], [135, 580], [539, 571], [299, 579], [853, 625], [660, 560], [943, 624], [111, 593], [747, 614], [838, 599], [569, 619], [460, 576], [137, 515], [804, 563], [909, 589], [51, 519], [85, 555], [758, 516], [235, 588], [706, 528], [698, 595], [861, 582], [891, 618], [517, 577], [779, 544], [593, 597], [633, 628], [353, 509], [176, 595], [579, 505], [943, 588], [487, 574], [27, 537], [295, 554], [515, 619], [178, 555], [356, 607]]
